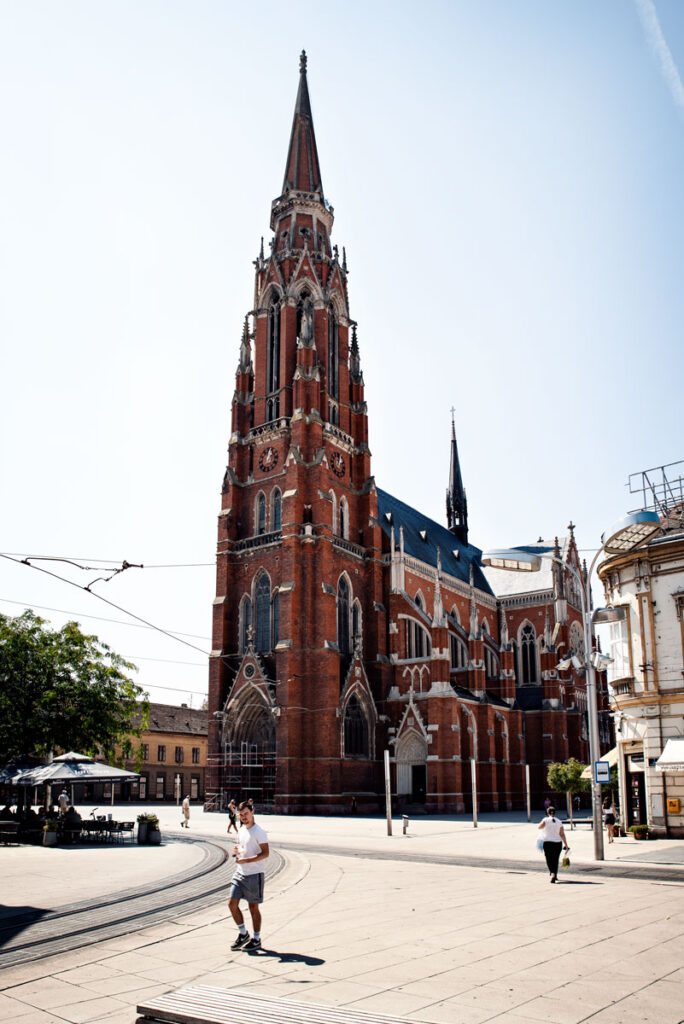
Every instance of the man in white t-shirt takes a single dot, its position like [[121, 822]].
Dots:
[[248, 881]]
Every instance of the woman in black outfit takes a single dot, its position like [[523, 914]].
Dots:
[[553, 836]]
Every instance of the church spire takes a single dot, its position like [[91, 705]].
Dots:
[[456, 502], [302, 170]]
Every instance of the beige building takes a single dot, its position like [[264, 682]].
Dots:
[[646, 676], [174, 756]]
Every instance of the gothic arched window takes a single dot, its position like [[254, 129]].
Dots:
[[528, 655], [276, 509], [245, 622], [458, 652], [343, 616], [333, 355], [417, 640], [260, 516], [262, 613], [273, 361], [492, 669], [355, 729]]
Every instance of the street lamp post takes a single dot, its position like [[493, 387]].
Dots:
[[624, 535]]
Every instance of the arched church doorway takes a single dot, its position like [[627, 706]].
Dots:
[[411, 759], [249, 751]]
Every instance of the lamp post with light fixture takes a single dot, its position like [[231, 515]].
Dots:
[[623, 536]]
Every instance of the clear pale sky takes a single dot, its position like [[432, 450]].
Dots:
[[507, 180]]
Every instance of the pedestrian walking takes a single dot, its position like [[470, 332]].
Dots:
[[609, 818], [232, 816], [248, 881], [553, 838], [63, 801], [186, 812]]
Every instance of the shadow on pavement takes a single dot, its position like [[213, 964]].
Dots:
[[13, 920], [288, 958], [576, 881]]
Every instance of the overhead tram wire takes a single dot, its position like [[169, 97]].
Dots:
[[139, 618], [108, 561]]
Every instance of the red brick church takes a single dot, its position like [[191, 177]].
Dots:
[[346, 621]]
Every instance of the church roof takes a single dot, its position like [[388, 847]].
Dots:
[[423, 537], [505, 583]]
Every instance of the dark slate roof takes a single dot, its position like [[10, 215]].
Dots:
[[172, 718], [435, 536]]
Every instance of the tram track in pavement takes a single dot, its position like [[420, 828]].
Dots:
[[33, 934]]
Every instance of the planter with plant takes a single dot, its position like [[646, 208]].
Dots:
[[148, 828], [639, 831], [50, 830]]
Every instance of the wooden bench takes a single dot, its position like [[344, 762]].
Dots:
[[204, 1004]]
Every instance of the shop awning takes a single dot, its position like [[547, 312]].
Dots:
[[672, 757], [611, 757]]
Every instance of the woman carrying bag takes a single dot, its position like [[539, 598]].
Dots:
[[553, 838]]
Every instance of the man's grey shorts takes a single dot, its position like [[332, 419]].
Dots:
[[247, 887]]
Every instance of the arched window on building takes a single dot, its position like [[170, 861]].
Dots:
[[355, 729], [260, 514], [276, 509], [492, 668], [417, 640], [458, 653], [262, 613], [420, 601], [527, 648], [343, 597], [273, 361], [245, 622], [344, 519]]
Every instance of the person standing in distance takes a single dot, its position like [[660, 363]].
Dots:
[[248, 880], [185, 806], [553, 836]]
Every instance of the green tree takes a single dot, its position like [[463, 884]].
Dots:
[[63, 690], [566, 777]]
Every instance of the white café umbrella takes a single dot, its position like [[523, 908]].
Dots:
[[71, 768]]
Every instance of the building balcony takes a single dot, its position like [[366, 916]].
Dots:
[[623, 687], [258, 542], [348, 545]]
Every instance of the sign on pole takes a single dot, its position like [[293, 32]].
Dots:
[[601, 772]]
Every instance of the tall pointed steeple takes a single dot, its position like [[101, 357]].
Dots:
[[302, 170], [456, 502]]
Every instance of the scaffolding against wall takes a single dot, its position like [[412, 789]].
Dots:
[[245, 771]]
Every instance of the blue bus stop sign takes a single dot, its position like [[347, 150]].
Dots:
[[602, 771]]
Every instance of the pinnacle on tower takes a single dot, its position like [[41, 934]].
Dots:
[[302, 170], [456, 501]]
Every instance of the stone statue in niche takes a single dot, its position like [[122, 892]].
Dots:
[[306, 330]]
